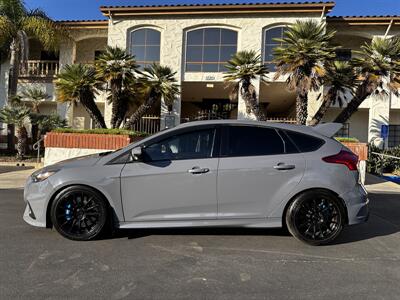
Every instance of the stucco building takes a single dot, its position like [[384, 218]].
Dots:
[[196, 41]]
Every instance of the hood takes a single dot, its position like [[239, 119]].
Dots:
[[87, 160]]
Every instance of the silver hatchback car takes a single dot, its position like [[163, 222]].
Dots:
[[208, 173]]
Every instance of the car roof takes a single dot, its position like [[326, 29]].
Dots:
[[294, 127]]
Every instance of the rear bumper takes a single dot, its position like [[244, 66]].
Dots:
[[357, 204]]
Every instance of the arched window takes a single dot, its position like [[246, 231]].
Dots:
[[269, 44], [208, 49], [145, 46]]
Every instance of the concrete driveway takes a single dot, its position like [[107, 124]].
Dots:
[[364, 263]]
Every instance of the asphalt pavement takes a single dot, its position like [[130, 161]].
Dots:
[[364, 263]]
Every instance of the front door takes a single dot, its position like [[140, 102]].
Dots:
[[175, 179], [255, 172]]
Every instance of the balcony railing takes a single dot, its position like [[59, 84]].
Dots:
[[40, 68]]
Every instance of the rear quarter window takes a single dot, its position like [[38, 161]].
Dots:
[[304, 142]]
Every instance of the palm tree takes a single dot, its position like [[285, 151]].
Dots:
[[116, 68], [17, 23], [76, 84], [242, 68], [36, 96], [306, 48], [378, 62], [339, 80], [157, 82], [47, 123], [17, 115]]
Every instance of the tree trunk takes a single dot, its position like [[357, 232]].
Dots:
[[12, 89], [250, 97], [14, 69], [361, 94], [326, 103], [87, 100], [115, 101], [122, 109], [10, 138], [301, 108], [141, 111], [21, 144]]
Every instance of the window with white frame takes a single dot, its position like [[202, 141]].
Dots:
[[208, 49], [394, 135], [270, 44], [145, 46]]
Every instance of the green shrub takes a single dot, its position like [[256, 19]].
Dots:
[[376, 163], [101, 131], [347, 139]]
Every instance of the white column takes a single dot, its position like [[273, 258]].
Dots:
[[67, 53], [242, 111], [379, 114]]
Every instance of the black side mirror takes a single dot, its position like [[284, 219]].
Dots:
[[136, 153]]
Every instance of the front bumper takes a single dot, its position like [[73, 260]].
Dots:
[[36, 197], [357, 204]]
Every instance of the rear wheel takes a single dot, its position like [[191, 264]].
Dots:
[[79, 213], [315, 217]]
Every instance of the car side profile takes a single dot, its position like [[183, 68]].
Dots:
[[207, 173]]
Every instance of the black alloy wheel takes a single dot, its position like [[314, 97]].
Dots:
[[315, 217], [79, 213]]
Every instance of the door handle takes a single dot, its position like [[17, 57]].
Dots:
[[283, 166], [198, 170]]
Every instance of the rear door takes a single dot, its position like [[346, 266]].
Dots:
[[257, 169]]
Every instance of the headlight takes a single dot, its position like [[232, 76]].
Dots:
[[41, 175]]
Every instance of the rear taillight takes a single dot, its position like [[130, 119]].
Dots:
[[344, 157]]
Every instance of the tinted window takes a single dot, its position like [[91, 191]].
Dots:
[[251, 141], [145, 46], [191, 145], [208, 49], [304, 142], [270, 43]]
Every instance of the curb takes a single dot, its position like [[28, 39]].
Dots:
[[21, 164]]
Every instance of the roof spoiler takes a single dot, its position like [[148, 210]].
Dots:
[[327, 129]]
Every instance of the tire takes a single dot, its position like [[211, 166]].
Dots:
[[80, 213], [315, 217]]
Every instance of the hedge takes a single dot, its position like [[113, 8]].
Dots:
[[347, 140], [116, 131]]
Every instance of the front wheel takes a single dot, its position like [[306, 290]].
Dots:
[[315, 217], [79, 213]]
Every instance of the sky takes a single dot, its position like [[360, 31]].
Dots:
[[89, 9]]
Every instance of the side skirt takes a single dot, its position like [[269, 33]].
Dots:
[[250, 223]]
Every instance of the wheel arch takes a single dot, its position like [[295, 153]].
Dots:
[[341, 201], [49, 224]]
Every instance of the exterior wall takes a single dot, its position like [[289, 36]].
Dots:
[[55, 155], [81, 119], [85, 49], [173, 30], [395, 117], [358, 123]]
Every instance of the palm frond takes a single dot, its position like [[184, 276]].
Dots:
[[161, 81], [306, 48], [17, 115], [115, 64], [245, 65], [339, 80], [7, 31], [13, 9], [73, 80], [49, 33]]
